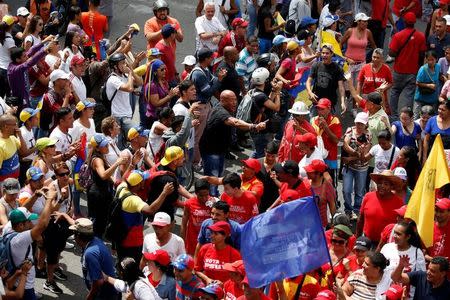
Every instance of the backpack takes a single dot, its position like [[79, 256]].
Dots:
[[6, 253], [104, 100], [85, 179], [245, 107], [116, 229]]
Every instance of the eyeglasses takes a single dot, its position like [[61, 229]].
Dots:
[[63, 174], [336, 241]]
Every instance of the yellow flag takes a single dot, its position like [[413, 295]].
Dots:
[[328, 38], [434, 175], [279, 19]]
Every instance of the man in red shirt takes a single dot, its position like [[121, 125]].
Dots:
[[235, 37], [377, 208], [441, 239], [153, 26], [94, 24], [165, 46], [243, 204], [381, 13], [329, 128], [408, 47]]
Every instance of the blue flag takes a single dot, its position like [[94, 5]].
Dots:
[[284, 242]]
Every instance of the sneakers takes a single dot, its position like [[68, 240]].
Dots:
[[59, 274], [41, 273], [389, 59], [69, 245], [52, 287]]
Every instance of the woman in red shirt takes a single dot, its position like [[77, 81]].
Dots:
[[233, 286], [212, 256]]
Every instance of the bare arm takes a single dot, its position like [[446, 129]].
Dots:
[[398, 275], [129, 86], [345, 38], [184, 222], [360, 225], [153, 208], [99, 166]]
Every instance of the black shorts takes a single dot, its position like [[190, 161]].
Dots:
[[55, 237]]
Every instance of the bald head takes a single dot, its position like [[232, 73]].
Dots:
[[230, 51], [228, 100]]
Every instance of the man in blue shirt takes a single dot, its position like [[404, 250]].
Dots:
[[440, 39], [430, 285], [95, 261]]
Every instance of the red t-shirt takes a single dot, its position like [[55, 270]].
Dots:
[[243, 208], [184, 74], [36, 87], [230, 39], [154, 25], [304, 188], [387, 234], [262, 296], [287, 150], [380, 11], [407, 62], [335, 126], [232, 290], [95, 27], [370, 80], [441, 241], [254, 185], [168, 58], [210, 261], [378, 213], [351, 240], [353, 263], [290, 66], [198, 212], [399, 4], [326, 194]]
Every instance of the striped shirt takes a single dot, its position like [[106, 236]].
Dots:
[[189, 290], [246, 65], [362, 289]]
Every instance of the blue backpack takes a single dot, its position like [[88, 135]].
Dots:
[[6, 253]]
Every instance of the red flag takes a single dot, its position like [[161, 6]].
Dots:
[[82, 150]]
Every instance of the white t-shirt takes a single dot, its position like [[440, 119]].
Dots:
[[382, 157], [181, 110], [78, 129], [175, 246], [78, 86], [64, 140], [28, 136], [19, 247], [416, 260], [317, 154], [38, 205], [66, 66], [120, 106], [5, 57], [202, 25], [3, 107], [143, 290], [155, 141], [51, 60], [113, 153]]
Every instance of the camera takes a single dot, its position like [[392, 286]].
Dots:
[[362, 139]]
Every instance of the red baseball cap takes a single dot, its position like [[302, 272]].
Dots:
[[324, 103], [160, 256], [325, 295], [316, 165], [394, 292], [253, 164], [307, 138], [289, 195], [239, 22], [401, 211], [443, 203], [410, 18], [221, 226], [77, 60], [237, 267]]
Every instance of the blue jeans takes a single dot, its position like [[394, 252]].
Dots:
[[354, 182], [29, 294], [251, 11], [403, 83], [213, 166], [125, 124], [264, 45], [260, 141]]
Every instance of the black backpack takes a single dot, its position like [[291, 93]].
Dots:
[[104, 100], [116, 229]]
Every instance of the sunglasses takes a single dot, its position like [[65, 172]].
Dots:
[[63, 174], [339, 242]]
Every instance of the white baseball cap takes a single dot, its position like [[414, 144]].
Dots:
[[329, 20], [362, 117], [58, 74], [401, 173], [161, 219], [189, 60], [447, 18], [361, 17], [22, 11], [299, 108]]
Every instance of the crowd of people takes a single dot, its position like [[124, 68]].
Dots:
[[95, 119]]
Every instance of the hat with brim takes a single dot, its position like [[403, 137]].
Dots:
[[443, 203], [11, 186], [172, 153], [299, 108], [20, 215], [386, 175], [83, 225], [45, 142], [279, 39], [237, 267], [27, 113]]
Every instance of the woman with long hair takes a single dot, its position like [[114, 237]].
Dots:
[[160, 273], [406, 243], [6, 43], [409, 160], [406, 131], [307, 56], [111, 129], [266, 26], [99, 194], [72, 47], [439, 124], [32, 32], [133, 281], [47, 156]]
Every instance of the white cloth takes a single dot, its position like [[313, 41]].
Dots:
[[416, 260], [317, 154], [175, 246], [78, 86], [34, 40], [66, 66], [143, 290], [181, 110], [19, 247], [382, 158], [203, 25], [3, 106], [78, 129], [155, 141], [298, 9], [120, 106], [51, 60], [64, 140], [5, 57], [30, 141]]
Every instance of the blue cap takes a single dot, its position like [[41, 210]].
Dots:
[[153, 52], [279, 39], [167, 30], [99, 140], [307, 21], [183, 262], [34, 173]]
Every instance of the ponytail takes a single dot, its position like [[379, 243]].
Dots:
[[3, 29]]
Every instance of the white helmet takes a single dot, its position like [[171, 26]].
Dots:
[[299, 108], [260, 75]]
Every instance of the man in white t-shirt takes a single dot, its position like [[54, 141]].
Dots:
[[23, 233], [119, 87], [77, 69], [384, 154], [162, 238], [28, 117], [209, 29], [64, 119]]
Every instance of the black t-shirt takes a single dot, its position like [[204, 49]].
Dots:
[[16, 28], [156, 188], [231, 80], [262, 33], [326, 79], [424, 290], [217, 135], [271, 191], [258, 100]]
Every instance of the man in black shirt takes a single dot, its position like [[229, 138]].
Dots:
[[328, 77], [18, 28], [216, 138], [231, 80], [430, 285]]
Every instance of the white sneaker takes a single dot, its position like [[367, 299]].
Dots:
[[69, 245], [389, 59]]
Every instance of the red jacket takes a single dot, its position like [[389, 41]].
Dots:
[[287, 150]]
